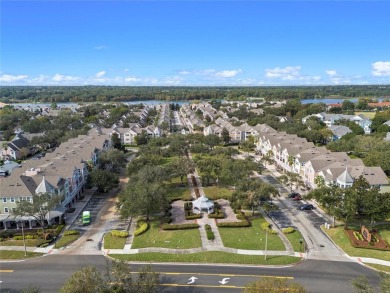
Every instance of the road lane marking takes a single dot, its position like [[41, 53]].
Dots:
[[6, 271], [221, 275], [202, 286]]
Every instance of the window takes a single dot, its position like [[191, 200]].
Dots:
[[29, 198], [12, 199], [4, 199], [6, 210]]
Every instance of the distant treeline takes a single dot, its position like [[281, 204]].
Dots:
[[122, 93]]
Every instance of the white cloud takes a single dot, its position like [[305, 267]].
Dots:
[[131, 79], [381, 68], [12, 78], [100, 74], [60, 78], [331, 72], [228, 73], [286, 73]]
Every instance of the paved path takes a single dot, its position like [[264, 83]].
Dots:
[[217, 242]]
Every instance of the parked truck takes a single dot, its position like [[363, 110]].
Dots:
[[86, 217]]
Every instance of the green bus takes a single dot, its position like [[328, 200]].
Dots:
[[86, 217]]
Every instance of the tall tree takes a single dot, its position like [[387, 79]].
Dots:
[[104, 180], [39, 207], [225, 135], [116, 141]]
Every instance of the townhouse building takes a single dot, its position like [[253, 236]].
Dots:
[[63, 173]]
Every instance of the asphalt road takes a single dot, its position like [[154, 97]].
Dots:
[[50, 273]]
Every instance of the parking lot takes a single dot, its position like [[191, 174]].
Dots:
[[94, 206]]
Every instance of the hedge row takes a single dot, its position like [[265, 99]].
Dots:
[[194, 216], [288, 230], [241, 216], [188, 206], [120, 234], [71, 232], [141, 228], [179, 226], [209, 233], [217, 215]]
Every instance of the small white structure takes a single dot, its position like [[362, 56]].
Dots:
[[203, 204]]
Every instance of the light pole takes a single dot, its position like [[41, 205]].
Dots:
[[24, 240], [266, 242]]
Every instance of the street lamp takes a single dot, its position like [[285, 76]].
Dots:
[[266, 242], [300, 245], [24, 240]]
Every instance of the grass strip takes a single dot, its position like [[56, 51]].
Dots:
[[13, 254], [155, 237], [65, 240], [112, 242], [338, 235], [250, 237], [209, 257]]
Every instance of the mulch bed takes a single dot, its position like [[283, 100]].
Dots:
[[380, 244]]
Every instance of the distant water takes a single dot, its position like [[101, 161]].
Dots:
[[76, 105], [330, 101]]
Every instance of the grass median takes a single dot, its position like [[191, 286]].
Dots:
[[13, 254], [250, 237], [209, 257], [155, 237], [338, 235], [112, 242]]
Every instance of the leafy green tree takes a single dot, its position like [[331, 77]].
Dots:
[[146, 193], [362, 285], [347, 105], [319, 181], [38, 208], [141, 138], [290, 179], [225, 135], [87, 280], [272, 285], [112, 159], [211, 140], [104, 180], [116, 141], [182, 166]]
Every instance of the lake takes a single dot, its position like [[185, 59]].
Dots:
[[331, 101]]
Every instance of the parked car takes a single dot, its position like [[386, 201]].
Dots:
[[294, 194], [297, 197], [306, 207]]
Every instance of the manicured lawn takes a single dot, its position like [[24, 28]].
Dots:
[[12, 254], [379, 267], [174, 190], [29, 242], [112, 242], [155, 237], [369, 115], [250, 237], [214, 192], [209, 257], [341, 239], [65, 240], [294, 238]]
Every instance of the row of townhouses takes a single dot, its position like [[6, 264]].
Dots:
[[62, 172], [331, 119], [295, 154]]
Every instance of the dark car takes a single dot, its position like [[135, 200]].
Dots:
[[306, 207], [298, 197], [294, 194]]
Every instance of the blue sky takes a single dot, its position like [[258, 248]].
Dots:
[[194, 42]]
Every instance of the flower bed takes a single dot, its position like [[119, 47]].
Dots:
[[357, 240]]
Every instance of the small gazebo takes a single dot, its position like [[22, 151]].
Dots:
[[202, 204]]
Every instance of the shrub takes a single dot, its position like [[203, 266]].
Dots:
[[244, 223], [188, 206], [141, 228], [18, 238], [210, 235], [1, 239], [179, 226], [6, 234], [207, 227], [71, 232], [120, 234], [29, 237], [288, 230], [265, 226], [217, 215], [165, 220], [193, 216]]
